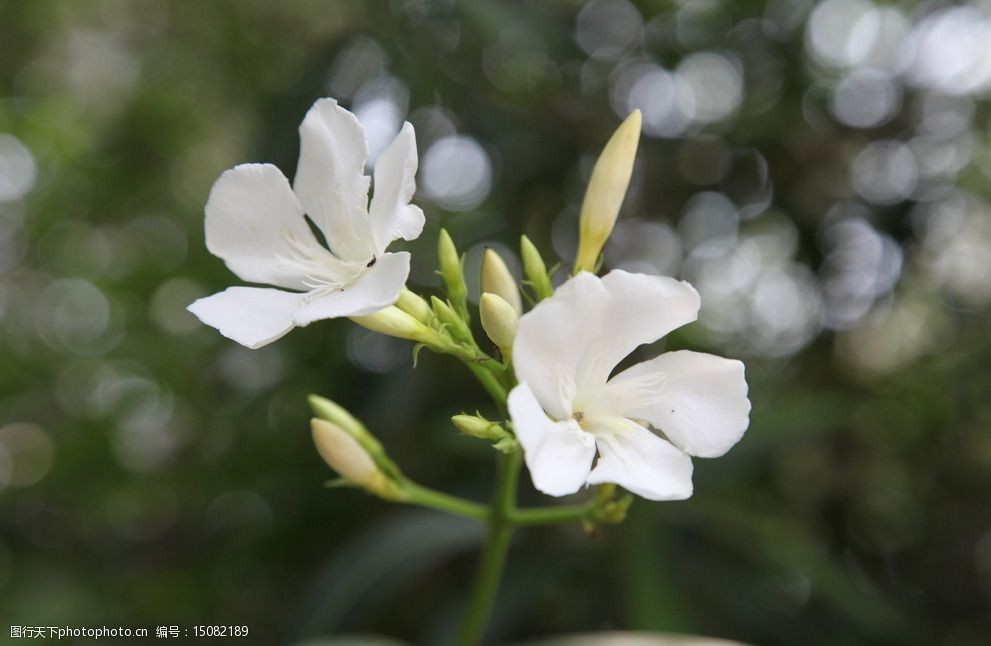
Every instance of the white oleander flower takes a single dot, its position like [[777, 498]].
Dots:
[[569, 406], [255, 222]]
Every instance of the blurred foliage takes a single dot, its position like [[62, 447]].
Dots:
[[819, 171]]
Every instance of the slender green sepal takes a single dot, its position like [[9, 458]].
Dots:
[[453, 274], [535, 270]]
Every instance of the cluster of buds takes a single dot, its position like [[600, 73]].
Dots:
[[445, 325]]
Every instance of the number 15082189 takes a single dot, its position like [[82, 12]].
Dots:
[[220, 631]]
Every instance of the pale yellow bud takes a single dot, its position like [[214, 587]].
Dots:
[[414, 305], [605, 192], [333, 412], [497, 280], [395, 322], [499, 320], [346, 456]]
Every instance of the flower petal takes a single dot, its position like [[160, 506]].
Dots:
[[252, 316], [644, 464], [377, 288], [330, 178], [391, 214], [553, 338], [702, 405], [569, 344], [558, 454], [251, 216], [643, 308]]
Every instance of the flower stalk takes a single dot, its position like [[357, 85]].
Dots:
[[496, 547]]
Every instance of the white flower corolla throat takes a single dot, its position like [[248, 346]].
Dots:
[[581, 424], [323, 271], [258, 224]]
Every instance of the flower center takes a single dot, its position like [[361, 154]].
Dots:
[[608, 409], [601, 424], [323, 270]]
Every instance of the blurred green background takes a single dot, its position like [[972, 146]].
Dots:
[[820, 171]]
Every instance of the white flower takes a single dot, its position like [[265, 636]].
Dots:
[[255, 222], [567, 406]]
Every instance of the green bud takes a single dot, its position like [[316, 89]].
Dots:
[[605, 192], [535, 269], [615, 511], [456, 325], [497, 280], [499, 320], [478, 426], [451, 272], [414, 305]]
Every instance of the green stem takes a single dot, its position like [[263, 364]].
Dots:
[[493, 562], [487, 370], [552, 515], [489, 382], [425, 497]]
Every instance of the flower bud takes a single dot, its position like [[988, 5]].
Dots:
[[395, 322], [605, 192], [346, 456], [340, 417], [478, 426], [414, 305], [455, 324], [450, 271], [497, 280], [535, 269], [499, 320], [336, 414]]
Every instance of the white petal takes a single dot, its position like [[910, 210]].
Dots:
[[252, 316], [702, 408], [644, 464], [377, 288], [642, 309], [250, 216], [553, 338], [558, 454], [569, 344], [331, 181], [391, 214]]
